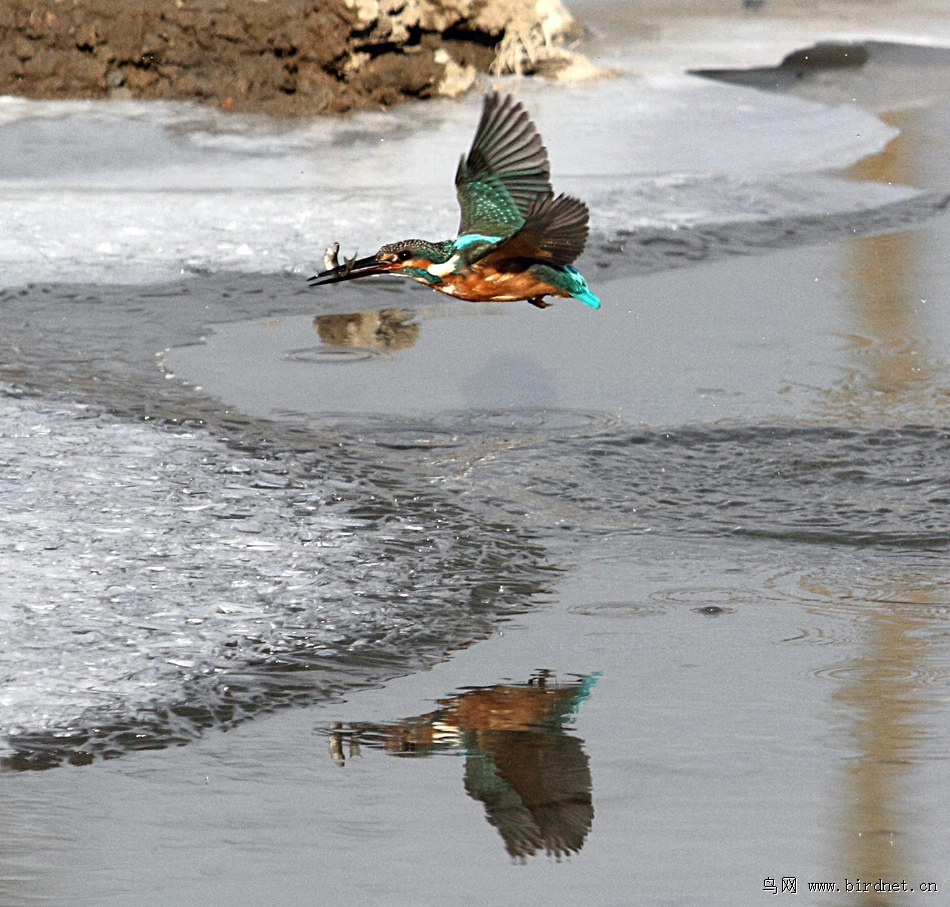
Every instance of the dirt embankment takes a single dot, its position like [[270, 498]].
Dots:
[[278, 56]]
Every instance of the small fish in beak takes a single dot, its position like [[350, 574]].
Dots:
[[351, 269], [331, 258]]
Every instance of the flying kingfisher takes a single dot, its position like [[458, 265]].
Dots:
[[516, 240]]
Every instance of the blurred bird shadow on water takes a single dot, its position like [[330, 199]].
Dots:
[[532, 777]]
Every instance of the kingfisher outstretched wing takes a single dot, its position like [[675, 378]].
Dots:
[[554, 231], [504, 173], [516, 239]]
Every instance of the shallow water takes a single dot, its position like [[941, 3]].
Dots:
[[650, 603]]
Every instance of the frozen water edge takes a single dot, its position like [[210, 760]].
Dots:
[[105, 607], [146, 567], [179, 189]]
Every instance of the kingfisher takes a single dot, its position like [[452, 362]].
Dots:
[[516, 239]]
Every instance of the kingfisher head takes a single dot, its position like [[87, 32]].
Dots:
[[407, 258]]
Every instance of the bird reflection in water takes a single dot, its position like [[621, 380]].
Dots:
[[388, 329], [533, 778]]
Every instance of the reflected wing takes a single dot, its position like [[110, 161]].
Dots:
[[505, 170]]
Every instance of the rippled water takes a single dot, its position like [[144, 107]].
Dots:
[[200, 579]]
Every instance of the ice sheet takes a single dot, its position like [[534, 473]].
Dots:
[[123, 191]]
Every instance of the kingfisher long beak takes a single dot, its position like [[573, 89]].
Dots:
[[352, 270]]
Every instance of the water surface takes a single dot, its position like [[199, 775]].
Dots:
[[365, 593]]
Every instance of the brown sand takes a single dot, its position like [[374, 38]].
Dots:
[[277, 56]]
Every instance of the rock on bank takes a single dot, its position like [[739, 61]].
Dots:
[[277, 56]]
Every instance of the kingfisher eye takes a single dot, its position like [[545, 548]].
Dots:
[[403, 255]]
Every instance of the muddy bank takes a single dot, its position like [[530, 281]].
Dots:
[[276, 56]]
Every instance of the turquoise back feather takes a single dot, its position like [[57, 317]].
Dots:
[[568, 279]]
